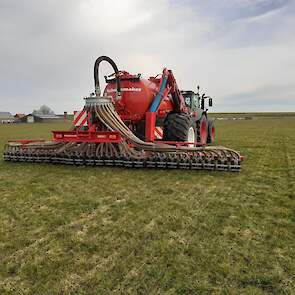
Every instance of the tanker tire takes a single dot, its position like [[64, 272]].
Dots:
[[176, 127], [140, 130]]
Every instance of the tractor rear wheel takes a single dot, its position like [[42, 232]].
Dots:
[[179, 127]]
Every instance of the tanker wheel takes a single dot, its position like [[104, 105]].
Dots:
[[179, 127], [140, 130], [203, 130], [211, 132]]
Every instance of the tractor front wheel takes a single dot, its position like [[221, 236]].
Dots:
[[211, 132], [203, 130]]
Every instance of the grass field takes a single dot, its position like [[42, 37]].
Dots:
[[82, 230]]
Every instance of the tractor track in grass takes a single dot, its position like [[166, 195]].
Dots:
[[135, 267], [139, 266], [82, 219]]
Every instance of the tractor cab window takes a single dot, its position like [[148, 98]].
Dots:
[[195, 101], [187, 101], [191, 99], [187, 98]]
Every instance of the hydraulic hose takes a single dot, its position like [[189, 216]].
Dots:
[[96, 74], [158, 98]]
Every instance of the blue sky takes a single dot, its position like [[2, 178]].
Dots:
[[241, 52]]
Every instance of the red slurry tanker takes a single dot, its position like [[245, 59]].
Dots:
[[135, 122]]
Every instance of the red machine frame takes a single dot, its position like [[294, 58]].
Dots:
[[87, 136]]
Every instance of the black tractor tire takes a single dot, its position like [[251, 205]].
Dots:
[[202, 130], [211, 132], [177, 126], [140, 130]]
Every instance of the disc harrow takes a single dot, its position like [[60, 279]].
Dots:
[[117, 155]]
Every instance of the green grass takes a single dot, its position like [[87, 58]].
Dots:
[[82, 230], [257, 115]]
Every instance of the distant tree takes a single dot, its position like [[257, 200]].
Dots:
[[44, 110]]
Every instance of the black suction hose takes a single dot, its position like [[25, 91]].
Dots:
[[96, 74]]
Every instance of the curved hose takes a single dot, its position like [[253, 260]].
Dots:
[[96, 74]]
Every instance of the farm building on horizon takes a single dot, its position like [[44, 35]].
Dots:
[[18, 116], [6, 117], [32, 118]]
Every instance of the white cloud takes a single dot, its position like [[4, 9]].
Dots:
[[48, 57]]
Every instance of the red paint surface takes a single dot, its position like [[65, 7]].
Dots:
[[85, 136], [137, 96]]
